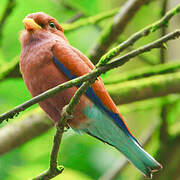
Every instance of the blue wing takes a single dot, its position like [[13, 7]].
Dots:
[[115, 134], [96, 100]]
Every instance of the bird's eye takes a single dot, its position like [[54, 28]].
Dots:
[[52, 25]]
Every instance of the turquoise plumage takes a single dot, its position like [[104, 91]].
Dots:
[[102, 127]]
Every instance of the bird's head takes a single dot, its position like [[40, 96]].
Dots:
[[41, 21], [40, 25]]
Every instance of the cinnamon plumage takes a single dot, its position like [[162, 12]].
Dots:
[[47, 60]]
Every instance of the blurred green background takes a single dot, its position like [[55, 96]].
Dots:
[[82, 156]]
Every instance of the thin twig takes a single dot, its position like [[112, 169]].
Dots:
[[54, 170], [155, 86], [74, 101], [111, 33], [89, 20], [148, 61], [10, 70], [144, 32], [75, 18], [164, 134], [115, 51], [68, 6], [130, 48], [155, 44], [144, 72], [8, 10], [67, 111], [88, 77], [163, 31], [71, 8]]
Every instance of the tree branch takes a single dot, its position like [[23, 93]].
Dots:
[[71, 8], [67, 111], [144, 32], [163, 30], [90, 20], [144, 59], [144, 72], [88, 77], [75, 18], [164, 134], [141, 57], [115, 51], [8, 10], [110, 35], [150, 87], [14, 134], [54, 169], [10, 70], [150, 103], [35, 122]]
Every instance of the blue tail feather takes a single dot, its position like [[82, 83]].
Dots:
[[117, 119], [103, 127]]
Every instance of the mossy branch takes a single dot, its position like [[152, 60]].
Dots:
[[111, 33], [163, 129], [34, 122], [163, 22], [54, 169], [147, 104], [92, 75], [75, 99], [144, 72], [90, 20], [141, 57], [150, 87], [8, 10], [112, 53], [163, 30], [76, 17], [10, 70]]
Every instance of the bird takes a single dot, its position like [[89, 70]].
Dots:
[[47, 59]]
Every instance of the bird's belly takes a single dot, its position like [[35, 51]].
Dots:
[[47, 78]]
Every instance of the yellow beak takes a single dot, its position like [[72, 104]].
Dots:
[[30, 24]]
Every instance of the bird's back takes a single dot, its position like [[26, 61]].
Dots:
[[40, 74]]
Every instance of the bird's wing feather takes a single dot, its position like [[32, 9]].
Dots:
[[74, 64]]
